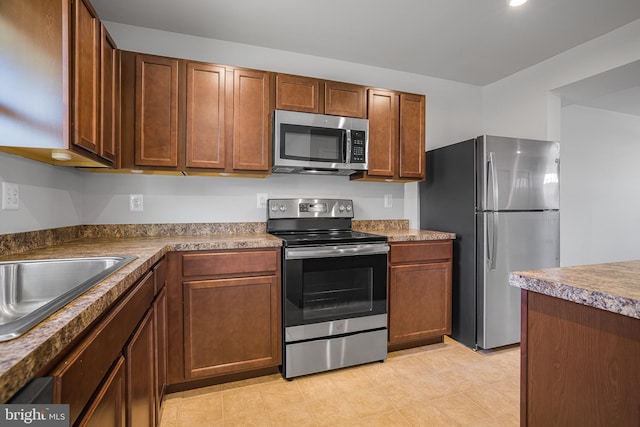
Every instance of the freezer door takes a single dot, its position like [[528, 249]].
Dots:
[[509, 241], [517, 174]]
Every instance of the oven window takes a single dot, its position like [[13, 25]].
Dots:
[[326, 289], [313, 144], [337, 293]]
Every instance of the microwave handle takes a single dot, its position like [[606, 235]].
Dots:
[[347, 146]]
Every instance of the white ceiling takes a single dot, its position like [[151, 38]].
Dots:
[[471, 41]]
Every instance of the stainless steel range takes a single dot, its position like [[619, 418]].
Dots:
[[334, 286]]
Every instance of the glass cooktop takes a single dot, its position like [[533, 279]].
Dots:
[[307, 238]]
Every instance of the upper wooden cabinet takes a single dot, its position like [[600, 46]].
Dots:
[[195, 118], [396, 137], [297, 93], [87, 53], [58, 53], [344, 99], [156, 111], [205, 116], [309, 95], [96, 72], [383, 133], [110, 96], [412, 137], [251, 126]]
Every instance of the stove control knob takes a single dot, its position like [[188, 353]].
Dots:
[[341, 208], [283, 208], [274, 208], [348, 208]]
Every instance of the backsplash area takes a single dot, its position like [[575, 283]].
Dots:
[[54, 196], [21, 242]]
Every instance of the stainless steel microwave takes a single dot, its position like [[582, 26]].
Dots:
[[319, 144]]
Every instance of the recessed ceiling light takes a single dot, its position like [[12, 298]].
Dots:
[[516, 3]]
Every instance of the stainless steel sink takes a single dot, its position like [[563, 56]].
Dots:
[[30, 291]]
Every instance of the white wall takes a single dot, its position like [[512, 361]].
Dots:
[[177, 199], [50, 196], [522, 104], [600, 186]]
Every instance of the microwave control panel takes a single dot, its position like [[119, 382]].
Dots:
[[358, 147]]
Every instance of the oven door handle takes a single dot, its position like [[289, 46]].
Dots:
[[335, 251]]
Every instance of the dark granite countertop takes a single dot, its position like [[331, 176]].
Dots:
[[614, 287]]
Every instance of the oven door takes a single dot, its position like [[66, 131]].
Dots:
[[332, 290]]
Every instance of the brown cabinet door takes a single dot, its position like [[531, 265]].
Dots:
[[231, 325], [205, 116], [419, 301], [156, 111], [344, 99], [86, 68], [109, 94], [383, 132], [73, 383], [297, 93], [108, 407], [412, 136], [160, 332], [251, 129], [139, 356]]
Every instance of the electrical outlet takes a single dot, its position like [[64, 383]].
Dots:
[[261, 200], [388, 201], [135, 203], [10, 197]]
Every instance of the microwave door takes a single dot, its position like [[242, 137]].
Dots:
[[312, 144]]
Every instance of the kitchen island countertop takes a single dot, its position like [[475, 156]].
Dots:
[[613, 287]]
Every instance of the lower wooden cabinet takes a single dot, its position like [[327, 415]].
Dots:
[[224, 313], [139, 355], [419, 293], [108, 408], [111, 377], [229, 325], [160, 348]]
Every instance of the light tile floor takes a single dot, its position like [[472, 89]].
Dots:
[[438, 385]]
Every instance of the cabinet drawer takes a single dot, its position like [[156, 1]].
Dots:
[[81, 372], [421, 251], [225, 263]]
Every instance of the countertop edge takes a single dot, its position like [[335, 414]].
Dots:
[[613, 303]]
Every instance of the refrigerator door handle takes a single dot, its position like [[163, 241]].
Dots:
[[493, 243], [492, 250], [492, 181]]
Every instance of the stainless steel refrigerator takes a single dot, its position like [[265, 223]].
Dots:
[[501, 197]]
